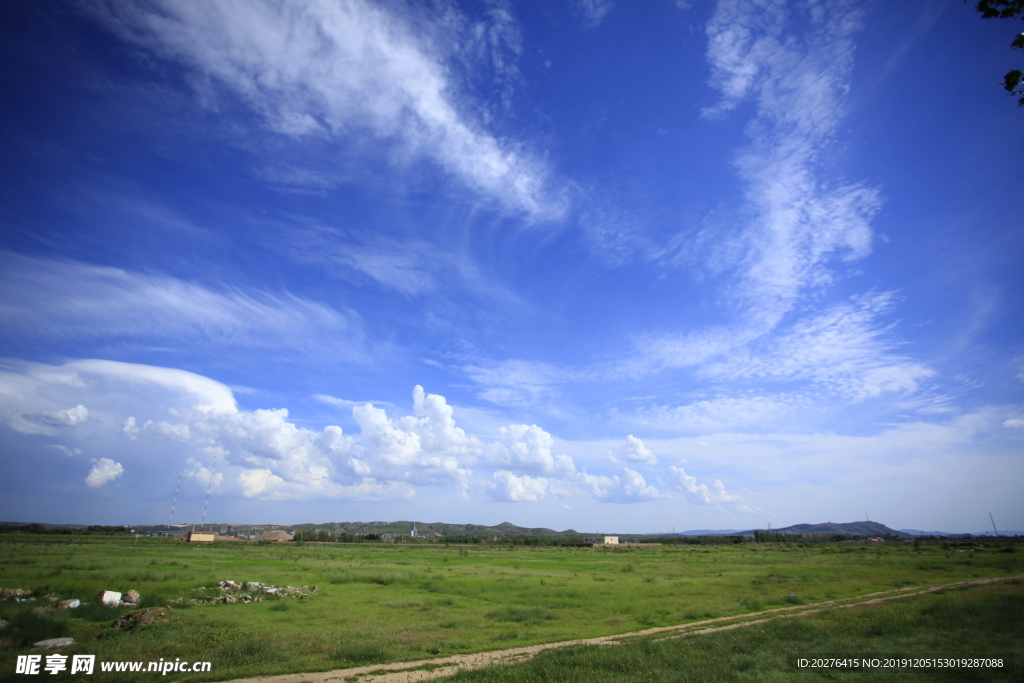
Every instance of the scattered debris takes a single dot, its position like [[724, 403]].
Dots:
[[54, 642], [269, 590], [3, 624], [109, 598], [73, 603], [132, 597], [15, 592], [129, 622]]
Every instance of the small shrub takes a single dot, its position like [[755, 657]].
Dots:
[[362, 653], [752, 604], [524, 615], [280, 606]]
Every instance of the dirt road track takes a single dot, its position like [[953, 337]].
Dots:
[[409, 672]]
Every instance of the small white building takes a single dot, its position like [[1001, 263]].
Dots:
[[602, 540]]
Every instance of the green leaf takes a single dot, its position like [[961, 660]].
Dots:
[[1012, 80]]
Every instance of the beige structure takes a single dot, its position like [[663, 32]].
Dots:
[[200, 536], [602, 540], [278, 536]]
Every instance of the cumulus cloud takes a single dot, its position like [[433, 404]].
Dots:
[[1014, 423], [507, 487], [628, 486], [66, 418], [264, 453], [104, 471], [636, 451], [528, 448], [700, 494], [341, 70]]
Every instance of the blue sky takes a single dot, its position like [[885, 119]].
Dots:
[[592, 264]]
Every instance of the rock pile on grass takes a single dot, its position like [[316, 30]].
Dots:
[[232, 592]]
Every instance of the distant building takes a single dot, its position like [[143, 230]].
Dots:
[[200, 536], [601, 540], [412, 530]]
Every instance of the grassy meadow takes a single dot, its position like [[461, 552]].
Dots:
[[391, 602], [962, 621]]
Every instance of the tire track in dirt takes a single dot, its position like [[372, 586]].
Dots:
[[427, 669]]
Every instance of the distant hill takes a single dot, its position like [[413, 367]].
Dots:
[[438, 528], [854, 528], [918, 532]]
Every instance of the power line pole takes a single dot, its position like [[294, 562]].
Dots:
[[993, 524], [175, 500], [209, 487]]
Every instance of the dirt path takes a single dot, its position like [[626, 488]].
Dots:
[[426, 669]]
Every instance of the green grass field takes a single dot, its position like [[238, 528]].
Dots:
[[968, 621], [378, 603]]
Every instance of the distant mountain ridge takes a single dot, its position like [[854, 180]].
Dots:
[[505, 529], [852, 528]]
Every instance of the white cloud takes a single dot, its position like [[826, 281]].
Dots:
[[803, 221], [70, 452], [507, 487], [628, 486], [514, 382], [46, 422], [842, 349], [263, 452], [528, 448], [343, 70], [104, 471], [636, 451], [1014, 423], [66, 418], [701, 494], [53, 297], [716, 414], [593, 12], [129, 428]]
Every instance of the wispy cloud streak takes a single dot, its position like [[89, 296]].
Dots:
[[803, 219], [339, 69], [63, 297]]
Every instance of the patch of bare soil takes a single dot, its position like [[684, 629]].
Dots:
[[427, 669]]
